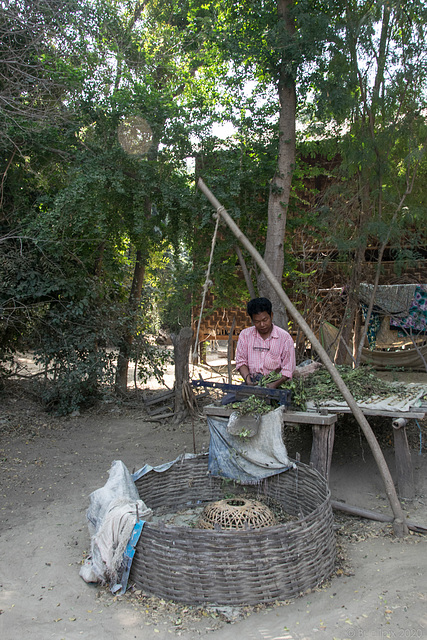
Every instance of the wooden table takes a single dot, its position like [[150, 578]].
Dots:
[[323, 428]]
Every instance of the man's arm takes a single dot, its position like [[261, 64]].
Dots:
[[288, 361], [244, 372], [242, 361]]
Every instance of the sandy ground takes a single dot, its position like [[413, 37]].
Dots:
[[48, 468]]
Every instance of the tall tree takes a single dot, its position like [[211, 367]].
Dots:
[[370, 88], [267, 45], [280, 186], [156, 62]]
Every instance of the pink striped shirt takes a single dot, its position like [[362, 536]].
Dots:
[[276, 353]]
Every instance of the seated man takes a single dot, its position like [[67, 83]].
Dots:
[[264, 347]]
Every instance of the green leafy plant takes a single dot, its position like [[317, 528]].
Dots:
[[271, 377], [252, 406], [363, 382], [72, 347], [152, 361], [244, 433]]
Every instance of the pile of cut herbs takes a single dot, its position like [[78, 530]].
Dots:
[[363, 383]]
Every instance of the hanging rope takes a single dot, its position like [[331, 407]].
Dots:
[[206, 285]]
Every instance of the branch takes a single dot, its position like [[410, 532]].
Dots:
[[246, 275]]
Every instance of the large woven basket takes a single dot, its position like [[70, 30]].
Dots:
[[199, 566]]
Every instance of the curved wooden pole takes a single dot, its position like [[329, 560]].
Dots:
[[399, 523]]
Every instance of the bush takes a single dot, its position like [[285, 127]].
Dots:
[[151, 360], [72, 348]]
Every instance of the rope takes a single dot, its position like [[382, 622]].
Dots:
[[207, 284]]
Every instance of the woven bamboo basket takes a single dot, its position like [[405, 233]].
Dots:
[[236, 514], [240, 567]]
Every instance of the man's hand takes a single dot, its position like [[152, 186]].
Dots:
[[276, 383]]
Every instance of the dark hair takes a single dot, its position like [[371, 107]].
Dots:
[[258, 305]]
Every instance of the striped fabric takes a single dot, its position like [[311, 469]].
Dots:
[[276, 353]]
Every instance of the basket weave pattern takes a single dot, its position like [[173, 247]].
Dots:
[[252, 566]]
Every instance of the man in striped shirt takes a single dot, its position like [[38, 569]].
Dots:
[[264, 347]]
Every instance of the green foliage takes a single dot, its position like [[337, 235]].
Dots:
[[167, 296], [319, 386], [72, 339], [77, 206], [152, 360], [253, 406]]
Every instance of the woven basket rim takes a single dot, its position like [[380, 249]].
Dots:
[[289, 526]]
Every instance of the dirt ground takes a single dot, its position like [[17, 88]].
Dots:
[[50, 465]]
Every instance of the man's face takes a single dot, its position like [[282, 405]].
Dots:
[[263, 323]]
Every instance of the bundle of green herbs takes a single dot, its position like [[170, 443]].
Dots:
[[252, 406]]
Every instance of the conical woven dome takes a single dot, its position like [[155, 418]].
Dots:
[[236, 513]]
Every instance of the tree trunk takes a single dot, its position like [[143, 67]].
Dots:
[[280, 186], [99, 259], [127, 338], [183, 391], [347, 326]]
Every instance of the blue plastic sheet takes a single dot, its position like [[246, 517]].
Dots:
[[128, 555]]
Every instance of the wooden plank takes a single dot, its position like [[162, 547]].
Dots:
[[221, 412], [291, 417], [159, 397], [412, 414], [307, 417], [161, 417], [160, 410], [322, 447]]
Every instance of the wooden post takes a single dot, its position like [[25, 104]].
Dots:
[[322, 447], [323, 429], [182, 346], [404, 471]]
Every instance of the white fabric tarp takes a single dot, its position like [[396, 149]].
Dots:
[[114, 512]]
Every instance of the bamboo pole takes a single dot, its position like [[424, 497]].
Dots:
[[399, 525]]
